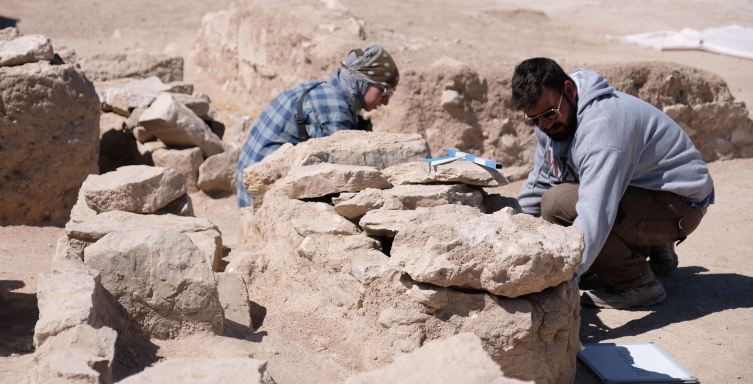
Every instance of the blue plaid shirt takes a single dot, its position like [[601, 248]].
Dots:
[[328, 108]]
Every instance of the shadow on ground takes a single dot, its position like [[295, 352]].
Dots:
[[18, 317]]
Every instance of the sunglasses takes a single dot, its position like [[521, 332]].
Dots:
[[386, 91], [551, 114]]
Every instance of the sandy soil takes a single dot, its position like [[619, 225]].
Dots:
[[706, 321]]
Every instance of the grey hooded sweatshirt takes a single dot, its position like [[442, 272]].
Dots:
[[620, 141]]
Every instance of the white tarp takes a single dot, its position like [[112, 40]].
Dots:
[[731, 40]]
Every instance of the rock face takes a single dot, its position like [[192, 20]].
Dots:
[[138, 63], [136, 188], [201, 370], [506, 254], [219, 172], [54, 143], [325, 179], [458, 171], [161, 279], [25, 49], [174, 124], [185, 161], [457, 359]]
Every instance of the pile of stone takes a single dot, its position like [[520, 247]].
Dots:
[[372, 253]]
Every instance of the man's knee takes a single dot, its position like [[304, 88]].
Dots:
[[558, 204]]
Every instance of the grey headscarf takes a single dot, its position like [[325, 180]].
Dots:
[[355, 76]]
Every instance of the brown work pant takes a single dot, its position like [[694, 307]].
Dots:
[[644, 218]]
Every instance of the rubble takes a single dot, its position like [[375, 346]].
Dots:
[[458, 171], [25, 49], [219, 172], [325, 179], [138, 63], [236, 370], [185, 161]]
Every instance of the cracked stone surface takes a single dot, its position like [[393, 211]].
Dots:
[[458, 171]]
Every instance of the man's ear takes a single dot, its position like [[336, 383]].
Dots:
[[571, 90]]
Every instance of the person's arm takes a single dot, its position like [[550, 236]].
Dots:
[[605, 174], [538, 180]]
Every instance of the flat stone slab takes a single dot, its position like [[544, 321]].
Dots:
[[504, 253], [124, 95], [174, 124], [235, 304], [25, 49], [457, 359], [237, 370], [384, 222], [458, 171], [133, 188], [326, 223], [409, 197], [325, 179]]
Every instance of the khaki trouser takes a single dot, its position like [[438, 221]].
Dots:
[[644, 218]]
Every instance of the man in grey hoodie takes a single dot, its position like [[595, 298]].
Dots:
[[617, 168]]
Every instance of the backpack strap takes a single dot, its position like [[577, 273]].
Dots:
[[300, 121]]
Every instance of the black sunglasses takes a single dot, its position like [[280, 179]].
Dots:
[[551, 114]]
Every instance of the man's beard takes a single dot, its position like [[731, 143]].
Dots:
[[570, 127]]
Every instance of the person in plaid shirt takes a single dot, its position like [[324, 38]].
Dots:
[[367, 81]]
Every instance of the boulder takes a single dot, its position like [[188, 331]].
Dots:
[[76, 352], [407, 197], [385, 222], [25, 49], [235, 304], [219, 172], [325, 179], [138, 63], [68, 299], [326, 223], [48, 148], [125, 95], [185, 161], [458, 171], [10, 33], [457, 359], [174, 124], [135, 188], [161, 279], [504, 253], [236, 370]]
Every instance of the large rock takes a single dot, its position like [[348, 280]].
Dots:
[[326, 223], [80, 353], [125, 95], [504, 253], [406, 197], [138, 63], [174, 124], [219, 172], [458, 171], [235, 304], [325, 179], [237, 370], [25, 49], [69, 299], [457, 359], [135, 188], [162, 280], [370, 149], [385, 222], [197, 104], [185, 161], [50, 140]]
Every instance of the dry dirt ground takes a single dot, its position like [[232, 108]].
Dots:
[[707, 319]]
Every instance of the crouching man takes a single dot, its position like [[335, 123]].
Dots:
[[617, 168]]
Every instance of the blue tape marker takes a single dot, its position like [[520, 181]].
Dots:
[[475, 159]]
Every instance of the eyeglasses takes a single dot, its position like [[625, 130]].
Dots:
[[386, 91], [551, 114]]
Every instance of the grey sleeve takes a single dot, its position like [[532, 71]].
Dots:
[[538, 180]]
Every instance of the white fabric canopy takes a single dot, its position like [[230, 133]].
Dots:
[[733, 40]]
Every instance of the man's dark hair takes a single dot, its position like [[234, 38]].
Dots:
[[531, 76]]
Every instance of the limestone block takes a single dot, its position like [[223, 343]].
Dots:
[[384, 222], [142, 135], [133, 120], [175, 124], [219, 172], [182, 206], [185, 161], [457, 359], [25, 49], [48, 148], [210, 243], [504, 253], [135, 188], [370, 265], [326, 222], [200, 106], [66, 300], [429, 295], [10, 33], [138, 63], [237, 370], [161, 279], [73, 351], [408, 197], [81, 210], [63, 259], [235, 304], [259, 177], [324, 179], [124, 95], [458, 171]]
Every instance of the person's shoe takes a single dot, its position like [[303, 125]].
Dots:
[[663, 259], [647, 294]]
